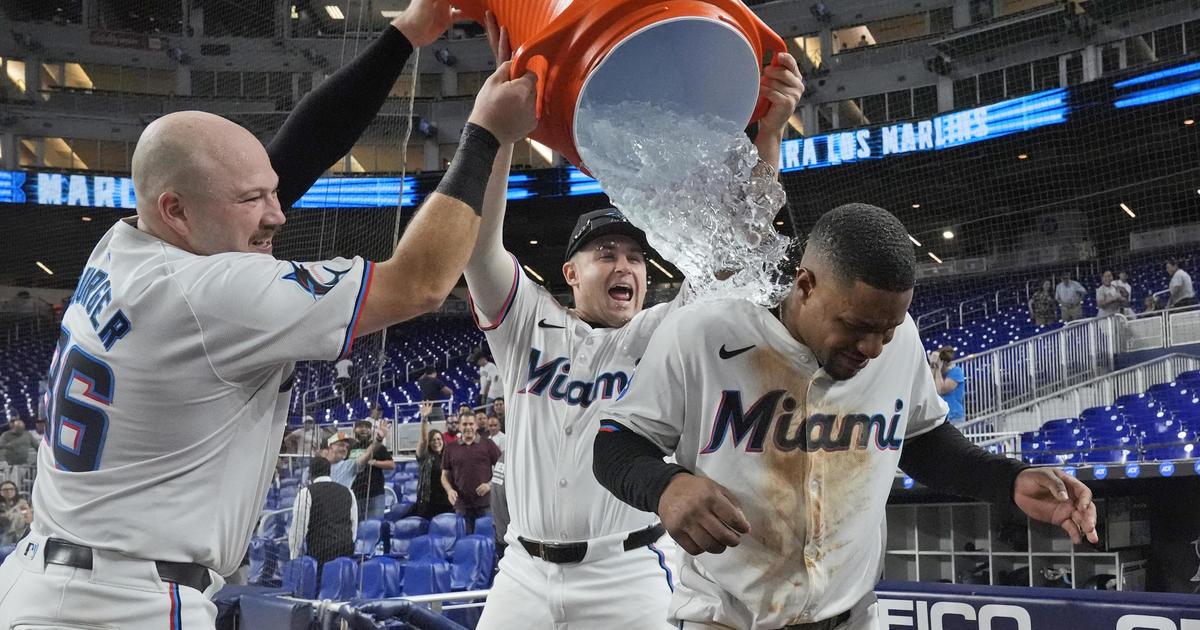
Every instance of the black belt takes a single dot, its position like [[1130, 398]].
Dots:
[[824, 624], [80, 557], [564, 553]]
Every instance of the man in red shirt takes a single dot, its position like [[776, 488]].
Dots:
[[467, 472]]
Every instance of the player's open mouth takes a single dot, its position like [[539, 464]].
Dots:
[[262, 245], [621, 292]]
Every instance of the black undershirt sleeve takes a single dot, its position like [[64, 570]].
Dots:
[[631, 467], [944, 460], [328, 121]]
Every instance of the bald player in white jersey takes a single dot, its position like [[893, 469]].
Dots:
[[577, 558], [788, 427], [174, 369]]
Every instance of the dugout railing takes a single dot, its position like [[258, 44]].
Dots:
[[1005, 427]]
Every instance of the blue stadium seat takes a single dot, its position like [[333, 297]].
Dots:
[[381, 577], [275, 525], [424, 576], [448, 524], [486, 527], [1162, 453], [399, 547], [408, 487], [264, 562], [397, 511], [473, 562], [339, 579], [300, 577], [410, 527], [370, 533], [429, 545]]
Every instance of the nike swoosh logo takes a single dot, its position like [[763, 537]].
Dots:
[[729, 354], [543, 324]]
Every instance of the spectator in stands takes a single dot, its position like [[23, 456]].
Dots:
[[345, 384], [19, 518], [431, 494], [950, 382], [432, 388], [1180, 286], [453, 423], [343, 469], [324, 517], [1041, 306], [481, 423], [494, 433], [18, 446], [1126, 290], [1108, 297], [1069, 295], [490, 384], [304, 441], [8, 500], [498, 410], [467, 472], [368, 483]]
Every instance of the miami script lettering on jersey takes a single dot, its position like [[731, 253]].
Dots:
[[93, 294], [553, 377], [818, 432]]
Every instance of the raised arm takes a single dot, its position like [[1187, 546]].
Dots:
[[490, 272], [441, 236], [329, 120], [782, 86], [423, 440]]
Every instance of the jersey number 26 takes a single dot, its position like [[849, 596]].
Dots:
[[82, 388]]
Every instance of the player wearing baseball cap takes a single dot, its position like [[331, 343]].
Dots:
[[171, 379], [788, 426], [577, 557]]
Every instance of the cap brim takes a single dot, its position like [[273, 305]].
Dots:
[[623, 228]]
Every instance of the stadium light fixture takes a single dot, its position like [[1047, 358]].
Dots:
[[662, 269], [947, 234], [537, 276], [779, 223], [335, 12], [295, 14], [44, 268], [85, 219], [1189, 122], [916, 205], [1022, 156], [534, 242], [1128, 211], [914, 240], [935, 258], [390, 14]]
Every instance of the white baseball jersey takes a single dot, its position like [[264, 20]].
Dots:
[[737, 399], [559, 375], [170, 386], [490, 379]]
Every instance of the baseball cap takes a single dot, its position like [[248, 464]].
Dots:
[[338, 437], [603, 222]]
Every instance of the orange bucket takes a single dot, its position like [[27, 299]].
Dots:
[[696, 57]]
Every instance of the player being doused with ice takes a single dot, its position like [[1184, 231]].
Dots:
[[788, 425]]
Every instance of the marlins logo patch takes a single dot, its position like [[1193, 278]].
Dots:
[[316, 280]]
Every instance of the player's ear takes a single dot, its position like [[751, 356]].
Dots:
[[171, 211], [570, 273], [804, 283]]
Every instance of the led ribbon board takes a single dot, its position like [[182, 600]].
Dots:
[[1051, 107]]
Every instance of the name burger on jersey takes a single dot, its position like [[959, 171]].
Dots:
[[817, 432], [553, 376]]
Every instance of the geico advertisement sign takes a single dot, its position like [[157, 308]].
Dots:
[[921, 615]]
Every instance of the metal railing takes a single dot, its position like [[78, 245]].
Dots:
[[937, 317], [1158, 329], [1012, 375], [972, 305], [1005, 426], [1012, 292]]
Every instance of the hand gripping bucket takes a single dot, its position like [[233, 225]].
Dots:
[[695, 57]]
